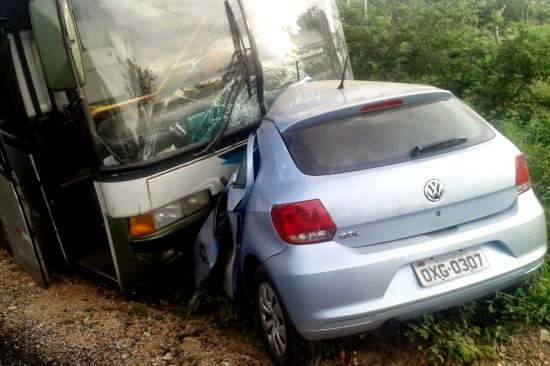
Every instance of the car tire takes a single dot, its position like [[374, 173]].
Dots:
[[284, 345]]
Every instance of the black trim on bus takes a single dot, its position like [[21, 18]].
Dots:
[[26, 70], [15, 126]]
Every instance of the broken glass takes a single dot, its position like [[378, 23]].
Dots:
[[180, 75]]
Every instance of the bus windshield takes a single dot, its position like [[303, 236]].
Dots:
[[173, 76]]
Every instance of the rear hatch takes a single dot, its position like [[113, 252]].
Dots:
[[401, 167]]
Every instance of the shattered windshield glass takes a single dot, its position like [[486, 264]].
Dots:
[[298, 41], [172, 76]]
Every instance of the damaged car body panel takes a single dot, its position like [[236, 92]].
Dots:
[[221, 236]]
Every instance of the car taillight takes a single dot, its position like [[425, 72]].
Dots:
[[304, 222], [374, 107], [523, 182]]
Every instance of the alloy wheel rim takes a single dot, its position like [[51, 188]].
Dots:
[[271, 317]]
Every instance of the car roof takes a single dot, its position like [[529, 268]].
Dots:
[[302, 102]]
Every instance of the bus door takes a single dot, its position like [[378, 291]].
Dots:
[[25, 215], [46, 161], [16, 216]]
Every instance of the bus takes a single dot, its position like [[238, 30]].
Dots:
[[120, 121]]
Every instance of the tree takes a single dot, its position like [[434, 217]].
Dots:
[[451, 44], [414, 41], [520, 63]]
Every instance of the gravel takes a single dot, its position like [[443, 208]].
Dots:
[[78, 322]]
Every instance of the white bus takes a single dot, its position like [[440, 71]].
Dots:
[[120, 120]]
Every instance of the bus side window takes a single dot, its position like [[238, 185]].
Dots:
[[8, 112], [37, 81], [35, 69], [6, 109], [3, 102]]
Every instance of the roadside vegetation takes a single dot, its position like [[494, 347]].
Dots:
[[495, 55]]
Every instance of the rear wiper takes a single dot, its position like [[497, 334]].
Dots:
[[435, 146]]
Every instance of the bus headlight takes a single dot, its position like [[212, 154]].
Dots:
[[168, 214], [150, 222], [195, 203]]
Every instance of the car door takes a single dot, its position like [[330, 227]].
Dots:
[[240, 189], [217, 245]]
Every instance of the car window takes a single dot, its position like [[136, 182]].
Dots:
[[387, 137], [240, 180]]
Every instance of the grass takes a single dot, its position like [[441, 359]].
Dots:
[[450, 336], [470, 332], [138, 310]]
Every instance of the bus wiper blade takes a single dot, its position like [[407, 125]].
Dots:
[[239, 63], [439, 145], [239, 46]]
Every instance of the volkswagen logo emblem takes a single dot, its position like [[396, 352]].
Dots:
[[434, 190]]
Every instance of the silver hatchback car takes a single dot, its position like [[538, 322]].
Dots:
[[357, 205]]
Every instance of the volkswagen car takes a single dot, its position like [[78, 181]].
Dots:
[[368, 202]]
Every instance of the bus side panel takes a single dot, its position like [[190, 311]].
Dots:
[[130, 270], [16, 230]]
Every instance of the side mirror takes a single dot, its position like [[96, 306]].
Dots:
[[58, 43]]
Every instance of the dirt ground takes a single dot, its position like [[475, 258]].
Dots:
[[77, 321]]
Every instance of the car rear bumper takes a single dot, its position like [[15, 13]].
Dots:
[[331, 290], [369, 322]]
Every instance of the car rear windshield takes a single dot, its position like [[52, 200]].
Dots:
[[386, 137]]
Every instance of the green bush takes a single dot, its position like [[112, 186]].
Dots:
[[451, 336]]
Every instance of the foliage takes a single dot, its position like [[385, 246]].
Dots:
[[468, 333], [533, 139], [434, 42], [138, 310], [460, 45], [519, 63], [528, 304], [451, 337]]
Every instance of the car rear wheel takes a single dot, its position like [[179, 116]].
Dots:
[[282, 342]]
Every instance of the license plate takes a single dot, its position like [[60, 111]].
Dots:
[[432, 271]]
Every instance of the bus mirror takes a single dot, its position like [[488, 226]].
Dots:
[[58, 43]]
